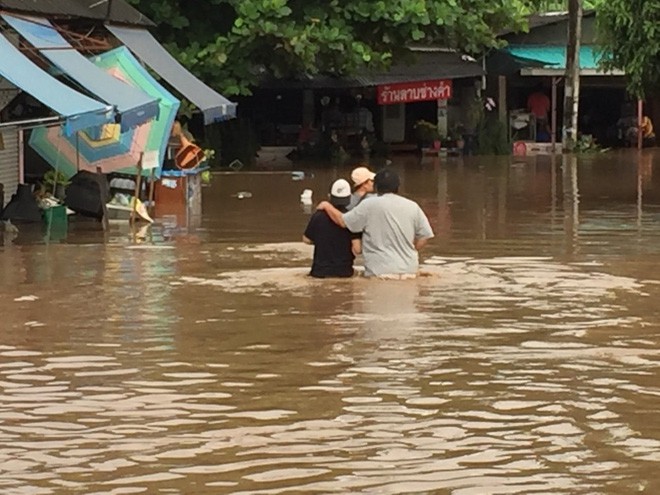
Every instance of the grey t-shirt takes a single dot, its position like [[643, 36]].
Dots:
[[389, 224], [356, 199]]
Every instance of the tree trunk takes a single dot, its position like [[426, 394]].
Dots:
[[572, 88]]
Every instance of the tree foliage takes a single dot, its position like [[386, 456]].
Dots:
[[560, 5], [629, 32], [230, 43]]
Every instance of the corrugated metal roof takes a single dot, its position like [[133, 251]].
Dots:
[[423, 66], [543, 19], [120, 12], [426, 65]]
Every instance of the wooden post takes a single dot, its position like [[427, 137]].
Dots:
[[571, 202], [640, 191], [502, 103], [152, 185], [108, 12], [572, 86], [21, 156], [553, 117], [138, 186], [553, 189], [105, 221], [640, 116], [78, 154]]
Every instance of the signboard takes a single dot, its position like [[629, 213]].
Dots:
[[390, 94]]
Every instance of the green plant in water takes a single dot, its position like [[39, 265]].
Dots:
[[587, 144], [54, 178], [53, 183], [474, 114], [492, 137], [426, 132]]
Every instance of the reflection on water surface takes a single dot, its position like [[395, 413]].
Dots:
[[204, 361]]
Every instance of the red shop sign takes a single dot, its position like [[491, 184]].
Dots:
[[390, 94]]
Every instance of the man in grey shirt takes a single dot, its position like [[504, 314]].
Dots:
[[363, 182], [393, 229]]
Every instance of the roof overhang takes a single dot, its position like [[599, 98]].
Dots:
[[77, 110], [560, 72], [423, 64], [118, 11], [134, 107], [550, 60], [213, 105]]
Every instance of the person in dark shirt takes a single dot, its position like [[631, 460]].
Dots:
[[335, 247]]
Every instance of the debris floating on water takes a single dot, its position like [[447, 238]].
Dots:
[[242, 195], [306, 197], [26, 298]]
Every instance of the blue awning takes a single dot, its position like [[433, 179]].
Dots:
[[133, 105], [554, 56], [214, 106], [79, 111], [544, 60]]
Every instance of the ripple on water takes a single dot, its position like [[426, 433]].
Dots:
[[495, 376], [285, 474]]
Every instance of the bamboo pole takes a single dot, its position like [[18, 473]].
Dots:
[[152, 185], [553, 117], [138, 186], [640, 118], [105, 221], [78, 152]]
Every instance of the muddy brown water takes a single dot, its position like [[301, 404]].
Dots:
[[201, 359]]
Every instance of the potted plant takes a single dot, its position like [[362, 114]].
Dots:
[[455, 139], [55, 182], [427, 134]]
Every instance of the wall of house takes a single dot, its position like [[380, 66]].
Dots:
[[9, 156]]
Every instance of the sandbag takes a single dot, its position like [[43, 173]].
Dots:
[[22, 207], [87, 194]]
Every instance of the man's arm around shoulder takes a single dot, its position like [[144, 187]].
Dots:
[[334, 214]]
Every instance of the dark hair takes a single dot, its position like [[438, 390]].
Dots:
[[387, 181], [340, 203]]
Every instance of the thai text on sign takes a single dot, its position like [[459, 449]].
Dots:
[[389, 94]]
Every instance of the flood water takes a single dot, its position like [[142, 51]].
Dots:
[[201, 360]]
